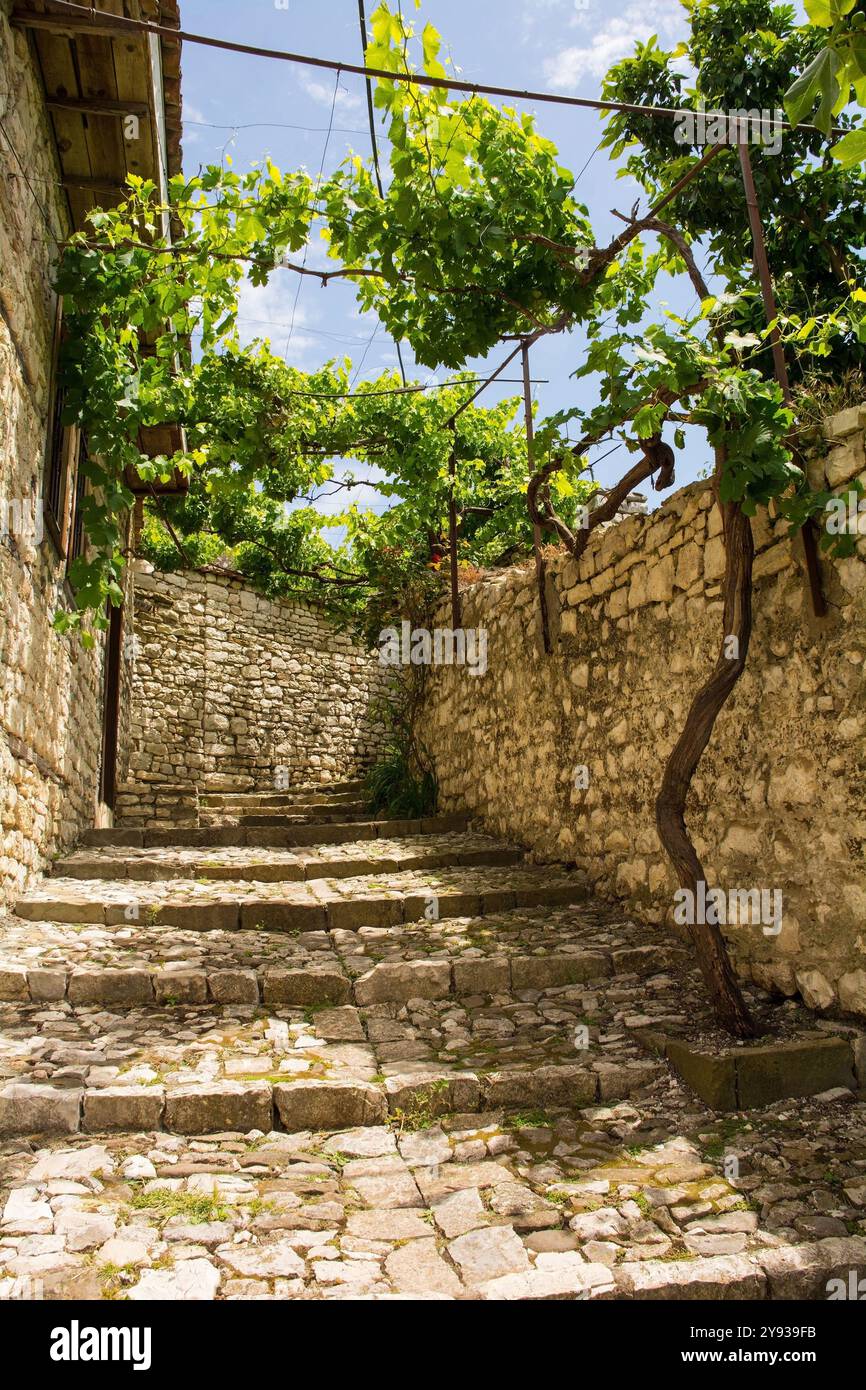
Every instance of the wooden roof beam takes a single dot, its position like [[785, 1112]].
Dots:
[[69, 26], [94, 185], [98, 106]]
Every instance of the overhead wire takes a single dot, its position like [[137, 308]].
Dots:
[[103, 21], [362, 19]]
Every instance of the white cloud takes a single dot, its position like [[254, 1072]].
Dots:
[[265, 311], [192, 117], [614, 39], [317, 256], [535, 13], [323, 93]]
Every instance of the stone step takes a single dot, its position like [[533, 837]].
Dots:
[[282, 817], [350, 860], [271, 836], [348, 903], [615, 1202], [248, 801], [333, 791], [140, 964], [197, 1069], [530, 1008], [294, 1104]]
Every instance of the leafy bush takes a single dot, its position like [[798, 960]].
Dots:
[[394, 788]]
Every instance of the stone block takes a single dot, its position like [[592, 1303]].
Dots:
[[39, 1110], [751, 1077], [98, 986], [305, 987], [14, 985], [616, 1081], [209, 1107], [550, 972], [482, 975], [567, 1085], [282, 916], [132, 1108], [47, 984], [768, 1074], [435, 1093], [713, 1278], [180, 986], [318, 1105], [353, 913], [233, 986], [713, 1078], [214, 916], [404, 980]]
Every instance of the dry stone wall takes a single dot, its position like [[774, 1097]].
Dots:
[[565, 752], [233, 692], [50, 688]]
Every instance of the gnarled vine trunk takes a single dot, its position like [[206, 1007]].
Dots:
[[709, 944]]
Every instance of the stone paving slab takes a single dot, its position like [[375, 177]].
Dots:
[[349, 903], [349, 860], [659, 1199]]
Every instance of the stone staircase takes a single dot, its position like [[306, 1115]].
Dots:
[[298, 1052]]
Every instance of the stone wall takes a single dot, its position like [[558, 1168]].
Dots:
[[780, 796], [50, 688], [232, 692]]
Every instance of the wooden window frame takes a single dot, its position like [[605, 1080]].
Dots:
[[61, 453], [111, 690], [77, 537]]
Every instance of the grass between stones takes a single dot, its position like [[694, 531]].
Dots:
[[164, 1202]]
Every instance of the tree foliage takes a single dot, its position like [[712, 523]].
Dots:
[[823, 89], [743, 53]]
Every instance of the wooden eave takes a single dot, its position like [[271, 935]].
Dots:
[[92, 81]]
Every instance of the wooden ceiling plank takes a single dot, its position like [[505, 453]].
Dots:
[[54, 55], [95, 185], [99, 106], [132, 75], [103, 133], [80, 204], [67, 25]]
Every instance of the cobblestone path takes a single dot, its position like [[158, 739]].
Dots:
[[299, 1054]]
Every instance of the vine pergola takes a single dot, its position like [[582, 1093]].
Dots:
[[415, 255]]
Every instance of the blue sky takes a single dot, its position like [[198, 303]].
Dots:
[[250, 108]]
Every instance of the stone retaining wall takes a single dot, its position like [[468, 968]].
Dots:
[[50, 688], [780, 796], [235, 693]]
